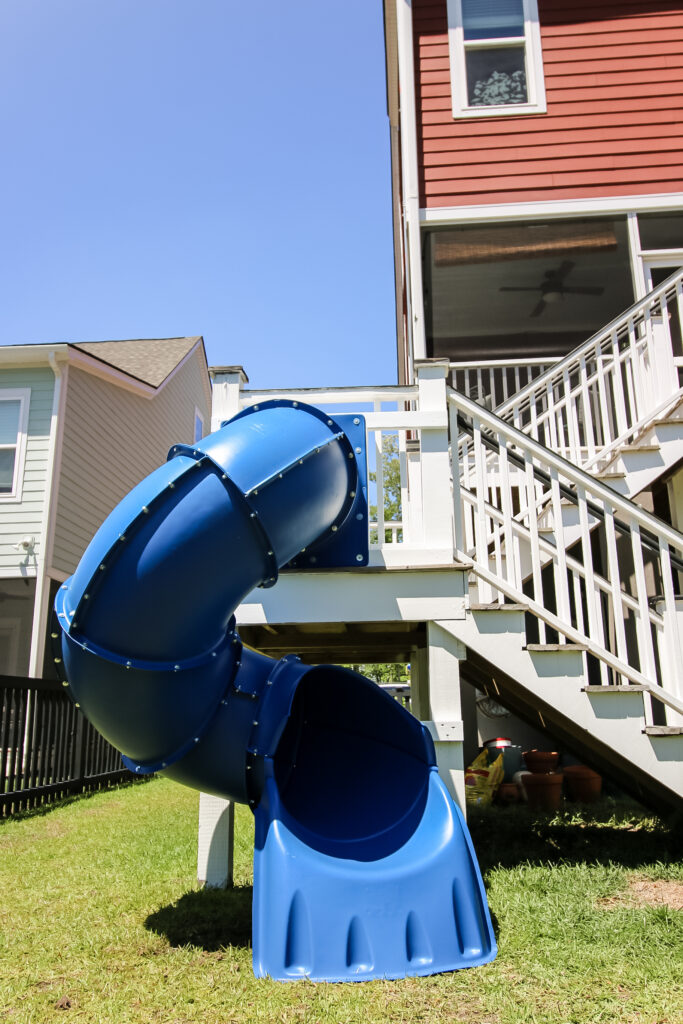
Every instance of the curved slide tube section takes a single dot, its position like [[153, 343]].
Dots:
[[363, 866]]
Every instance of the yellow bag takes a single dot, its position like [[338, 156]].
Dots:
[[483, 779]]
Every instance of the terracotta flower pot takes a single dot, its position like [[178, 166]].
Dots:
[[541, 761], [583, 783], [508, 793], [544, 792]]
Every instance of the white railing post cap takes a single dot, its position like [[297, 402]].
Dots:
[[436, 367], [224, 374]]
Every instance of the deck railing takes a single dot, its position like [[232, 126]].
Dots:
[[594, 569], [47, 748], [590, 567], [408, 463], [493, 382], [605, 392]]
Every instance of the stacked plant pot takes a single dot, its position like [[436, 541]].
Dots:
[[542, 783], [582, 783]]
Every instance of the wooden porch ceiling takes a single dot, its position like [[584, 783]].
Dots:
[[338, 642]]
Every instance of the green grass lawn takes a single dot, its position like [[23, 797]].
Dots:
[[101, 921]]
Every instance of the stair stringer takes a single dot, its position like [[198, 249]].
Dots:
[[552, 683]]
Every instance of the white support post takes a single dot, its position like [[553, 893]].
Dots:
[[227, 384], [216, 841], [436, 701], [661, 375], [675, 489], [437, 506]]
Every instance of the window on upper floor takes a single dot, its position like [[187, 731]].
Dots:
[[13, 423], [495, 56]]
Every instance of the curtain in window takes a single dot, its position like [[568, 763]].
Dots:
[[492, 19]]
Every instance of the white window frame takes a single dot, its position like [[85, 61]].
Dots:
[[531, 39], [23, 395]]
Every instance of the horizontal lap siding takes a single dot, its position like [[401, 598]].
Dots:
[[112, 439], [614, 81], [24, 518]]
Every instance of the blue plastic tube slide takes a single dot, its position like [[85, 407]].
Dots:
[[363, 865]]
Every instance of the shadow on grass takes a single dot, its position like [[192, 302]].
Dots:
[[41, 809], [210, 919], [603, 833]]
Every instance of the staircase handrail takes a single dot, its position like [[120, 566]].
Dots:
[[568, 469], [571, 495], [323, 396], [618, 323], [582, 483]]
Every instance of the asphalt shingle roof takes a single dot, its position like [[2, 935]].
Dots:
[[147, 359]]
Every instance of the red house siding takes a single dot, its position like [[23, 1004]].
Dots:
[[613, 127]]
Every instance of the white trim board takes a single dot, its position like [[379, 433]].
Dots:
[[41, 608], [446, 215], [31, 355], [415, 595], [412, 251]]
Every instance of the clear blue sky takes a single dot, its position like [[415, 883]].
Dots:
[[214, 167]]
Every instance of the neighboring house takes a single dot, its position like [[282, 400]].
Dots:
[[80, 425]]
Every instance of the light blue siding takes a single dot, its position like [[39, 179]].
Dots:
[[19, 519]]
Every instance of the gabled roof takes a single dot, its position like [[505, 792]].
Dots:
[[149, 360]]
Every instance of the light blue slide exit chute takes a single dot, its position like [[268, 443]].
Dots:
[[363, 865]]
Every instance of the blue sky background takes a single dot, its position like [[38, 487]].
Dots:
[[174, 167]]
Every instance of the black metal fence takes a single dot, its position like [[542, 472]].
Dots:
[[47, 748]]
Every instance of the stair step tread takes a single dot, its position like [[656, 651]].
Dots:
[[625, 448], [541, 648], [609, 475], [663, 730], [628, 688]]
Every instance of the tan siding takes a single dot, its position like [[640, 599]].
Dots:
[[112, 439], [613, 76], [17, 519]]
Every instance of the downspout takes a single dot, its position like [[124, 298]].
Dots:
[[411, 183], [42, 595]]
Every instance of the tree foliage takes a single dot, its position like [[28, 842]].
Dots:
[[391, 486], [384, 673], [391, 480]]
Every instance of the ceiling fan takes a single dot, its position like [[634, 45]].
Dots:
[[553, 288]]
